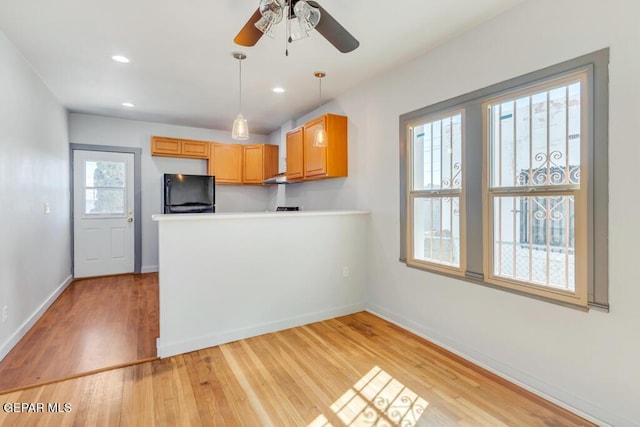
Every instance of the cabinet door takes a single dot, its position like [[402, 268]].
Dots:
[[253, 161], [295, 158], [315, 158], [225, 162], [270, 161], [162, 146], [197, 149]]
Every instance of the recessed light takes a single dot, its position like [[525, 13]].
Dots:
[[127, 104], [121, 59], [278, 90]]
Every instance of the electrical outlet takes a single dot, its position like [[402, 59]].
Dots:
[[47, 208], [345, 271], [5, 313]]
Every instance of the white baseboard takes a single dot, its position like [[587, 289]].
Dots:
[[149, 269], [223, 337], [510, 374], [31, 320]]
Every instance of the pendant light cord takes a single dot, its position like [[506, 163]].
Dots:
[[287, 32], [240, 92], [319, 75]]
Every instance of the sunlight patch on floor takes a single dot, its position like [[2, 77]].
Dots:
[[376, 399]]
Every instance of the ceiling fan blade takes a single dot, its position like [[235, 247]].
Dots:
[[334, 32], [249, 34]]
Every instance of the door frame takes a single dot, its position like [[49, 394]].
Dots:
[[137, 195]]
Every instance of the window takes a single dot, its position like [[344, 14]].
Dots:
[[507, 186], [436, 189], [535, 208]]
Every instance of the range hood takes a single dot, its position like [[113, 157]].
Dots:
[[280, 178]]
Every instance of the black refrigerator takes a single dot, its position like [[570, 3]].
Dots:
[[189, 193]]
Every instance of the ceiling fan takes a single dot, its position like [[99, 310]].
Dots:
[[301, 17]]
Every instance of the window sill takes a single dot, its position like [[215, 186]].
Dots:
[[474, 278]]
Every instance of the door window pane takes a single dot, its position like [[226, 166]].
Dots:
[[105, 174], [104, 201], [105, 188]]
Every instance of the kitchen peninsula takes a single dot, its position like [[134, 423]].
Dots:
[[229, 276]]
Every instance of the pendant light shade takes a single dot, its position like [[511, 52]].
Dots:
[[265, 26], [320, 135], [307, 15], [240, 127], [297, 30]]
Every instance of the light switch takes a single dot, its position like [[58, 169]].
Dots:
[[47, 208]]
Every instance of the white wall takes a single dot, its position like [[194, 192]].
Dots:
[[35, 254], [98, 130], [586, 360], [229, 277]]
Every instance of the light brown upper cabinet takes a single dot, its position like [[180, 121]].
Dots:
[[225, 162], [175, 147], [330, 161], [260, 162], [198, 149], [295, 157]]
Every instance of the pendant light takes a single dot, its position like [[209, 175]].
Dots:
[[240, 127], [320, 135]]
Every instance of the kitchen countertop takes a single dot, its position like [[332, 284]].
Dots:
[[253, 215]]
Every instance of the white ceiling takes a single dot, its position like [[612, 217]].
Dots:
[[182, 70]]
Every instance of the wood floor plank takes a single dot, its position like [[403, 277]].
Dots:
[[95, 324], [252, 397], [138, 401], [211, 407], [186, 401]]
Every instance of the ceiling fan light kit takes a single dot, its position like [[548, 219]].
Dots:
[[302, 16]]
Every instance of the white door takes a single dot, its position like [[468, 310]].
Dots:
[[103, 213]]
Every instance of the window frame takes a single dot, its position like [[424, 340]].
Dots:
[[579, 191], [595, 179], [442, 193]]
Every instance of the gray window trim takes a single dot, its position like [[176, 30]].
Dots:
[[597, 64]]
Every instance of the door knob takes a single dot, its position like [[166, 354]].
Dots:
[[129, 219]]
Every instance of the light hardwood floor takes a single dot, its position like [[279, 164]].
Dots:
[[95, 324], [353, 370]]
